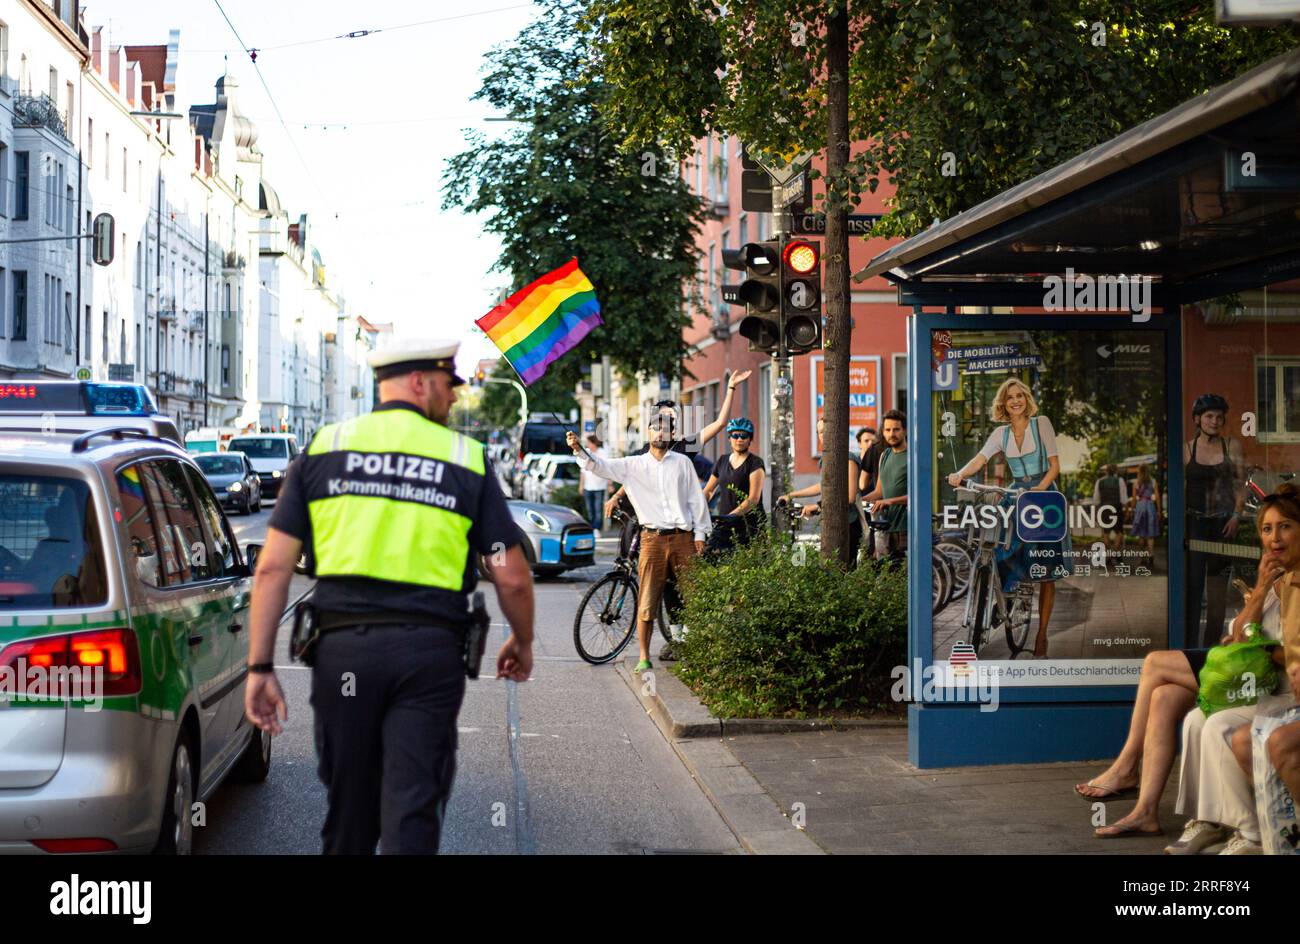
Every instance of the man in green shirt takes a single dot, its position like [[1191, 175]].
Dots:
[[889, 497]]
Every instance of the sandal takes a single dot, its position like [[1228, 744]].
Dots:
[[1120, 794], [1126, 832]]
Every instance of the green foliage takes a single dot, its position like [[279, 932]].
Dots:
[[569, 496], [556, 186], [776, 631], [1009, 90]]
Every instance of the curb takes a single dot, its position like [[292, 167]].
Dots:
[[686, 716], [759, 824]]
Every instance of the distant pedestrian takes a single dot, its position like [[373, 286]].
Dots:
[[1110, 495], [595, 488], [1146, 512]]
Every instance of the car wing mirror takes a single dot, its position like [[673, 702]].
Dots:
[[251, 551]]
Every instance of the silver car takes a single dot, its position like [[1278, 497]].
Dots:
[[123, 590]]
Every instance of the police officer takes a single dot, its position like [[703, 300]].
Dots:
[[392, 505]]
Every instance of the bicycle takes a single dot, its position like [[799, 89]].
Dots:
[[610, 604], [988, 607]]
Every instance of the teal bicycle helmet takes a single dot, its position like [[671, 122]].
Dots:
[[740, 425]]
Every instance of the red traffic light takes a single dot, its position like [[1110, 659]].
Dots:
[[800, 257]]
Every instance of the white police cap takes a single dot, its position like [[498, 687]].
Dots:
[[416, 354]]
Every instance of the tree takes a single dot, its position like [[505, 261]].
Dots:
[[558, 187], [952, 100]]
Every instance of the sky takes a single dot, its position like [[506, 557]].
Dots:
[[369, 123]]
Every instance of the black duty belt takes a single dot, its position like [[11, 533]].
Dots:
[[646, 527], [335, 619]]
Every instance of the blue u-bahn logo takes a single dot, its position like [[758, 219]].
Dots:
[[1040, 517]]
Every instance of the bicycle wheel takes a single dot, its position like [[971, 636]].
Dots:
[[606, 618], [980, 603], [1017, 628], [960, 561], [670, 610], [940, 581]]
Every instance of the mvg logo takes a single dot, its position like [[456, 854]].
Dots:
[[1106, 351]]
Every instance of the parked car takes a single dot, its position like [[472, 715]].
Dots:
[[560, 470], [119, 568], [527, 465], [270, 454], [557, 538], [233, 479]]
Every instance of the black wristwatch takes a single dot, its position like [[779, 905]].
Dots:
[[261, 668]]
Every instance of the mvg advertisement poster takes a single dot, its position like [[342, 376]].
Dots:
[[1052, 564]]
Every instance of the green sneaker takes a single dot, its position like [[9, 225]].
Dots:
[[642, 666]]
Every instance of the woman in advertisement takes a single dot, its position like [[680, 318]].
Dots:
[[1211, 789], [1146, 513], [1216, 495], [1028, 442]]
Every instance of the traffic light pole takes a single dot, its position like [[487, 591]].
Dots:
[[782, 464]]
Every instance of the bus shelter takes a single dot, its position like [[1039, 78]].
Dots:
[[1152, 275]]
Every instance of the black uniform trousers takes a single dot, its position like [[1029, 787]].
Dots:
[[386, 699]]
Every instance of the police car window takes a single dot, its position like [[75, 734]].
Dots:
[[220, 543], [173, 556], [51, 554], [142, 537], [183, 517]]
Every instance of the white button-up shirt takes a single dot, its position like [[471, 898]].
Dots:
[[665, 492]]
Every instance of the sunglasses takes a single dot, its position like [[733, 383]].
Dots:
[[741, 436]]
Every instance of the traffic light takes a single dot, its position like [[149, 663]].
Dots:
[[479, 376], [102, 239], [760, 293], [801, 302]]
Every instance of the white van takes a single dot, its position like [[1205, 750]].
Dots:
[[270, 454]]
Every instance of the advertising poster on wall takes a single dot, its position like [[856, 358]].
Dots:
[[864, 396], [1050, 479]]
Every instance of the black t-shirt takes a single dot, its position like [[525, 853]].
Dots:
[[730, 476], [493, 527], [870, 462]]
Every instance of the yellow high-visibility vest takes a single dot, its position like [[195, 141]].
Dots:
[[392, 496]]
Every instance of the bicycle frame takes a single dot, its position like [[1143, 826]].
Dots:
[[1001, 608]]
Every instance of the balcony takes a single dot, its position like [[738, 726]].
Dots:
[[195, 321], [39, 111]]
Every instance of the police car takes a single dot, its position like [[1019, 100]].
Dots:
[[123, 631]]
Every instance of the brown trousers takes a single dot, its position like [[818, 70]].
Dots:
[[659, 552]]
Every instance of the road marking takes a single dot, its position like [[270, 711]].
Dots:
[[524, 842]]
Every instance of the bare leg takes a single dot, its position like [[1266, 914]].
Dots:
[[1164, 668], [1046, 599], [1284, 752], [1168, 705], [644, 633]]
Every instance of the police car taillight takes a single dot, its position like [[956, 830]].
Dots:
[[74, 845], [113, 651]]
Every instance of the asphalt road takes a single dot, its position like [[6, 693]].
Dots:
[[590, 772]]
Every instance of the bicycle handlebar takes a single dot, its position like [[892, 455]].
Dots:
[[978, 487]]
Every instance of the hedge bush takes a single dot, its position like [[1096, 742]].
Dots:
[[775, 631], [569, 496]]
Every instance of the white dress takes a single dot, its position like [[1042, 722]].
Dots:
[[1212, 787]]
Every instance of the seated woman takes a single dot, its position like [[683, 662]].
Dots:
[[1214, 788], [1168, 686]]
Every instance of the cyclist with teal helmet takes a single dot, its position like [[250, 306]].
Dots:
[[739, 475]]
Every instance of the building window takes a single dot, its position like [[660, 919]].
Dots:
[[89, 336], [4, 179], [2, 302], [1277, 398], [20, 305], [139, 264], [744, 228], [900, 382], [104, 347], [22, 170], [70, 219], [72, 108], [723, 174], [68, 340], [4, 50], [54, 84]]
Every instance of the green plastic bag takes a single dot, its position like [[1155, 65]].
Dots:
[[1235, 675]]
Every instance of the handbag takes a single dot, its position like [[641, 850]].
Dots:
[[1235, 675]]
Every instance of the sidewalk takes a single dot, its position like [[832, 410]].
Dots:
[[853, 790]]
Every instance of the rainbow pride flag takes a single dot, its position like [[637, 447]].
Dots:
[[542, 321]]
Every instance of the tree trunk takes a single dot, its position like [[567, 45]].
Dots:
[[835, 266]]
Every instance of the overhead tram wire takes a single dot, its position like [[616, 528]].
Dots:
[[252, 51], [274, 105]]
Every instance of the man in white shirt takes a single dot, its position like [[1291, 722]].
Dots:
[[594, 487], [670, 507]]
